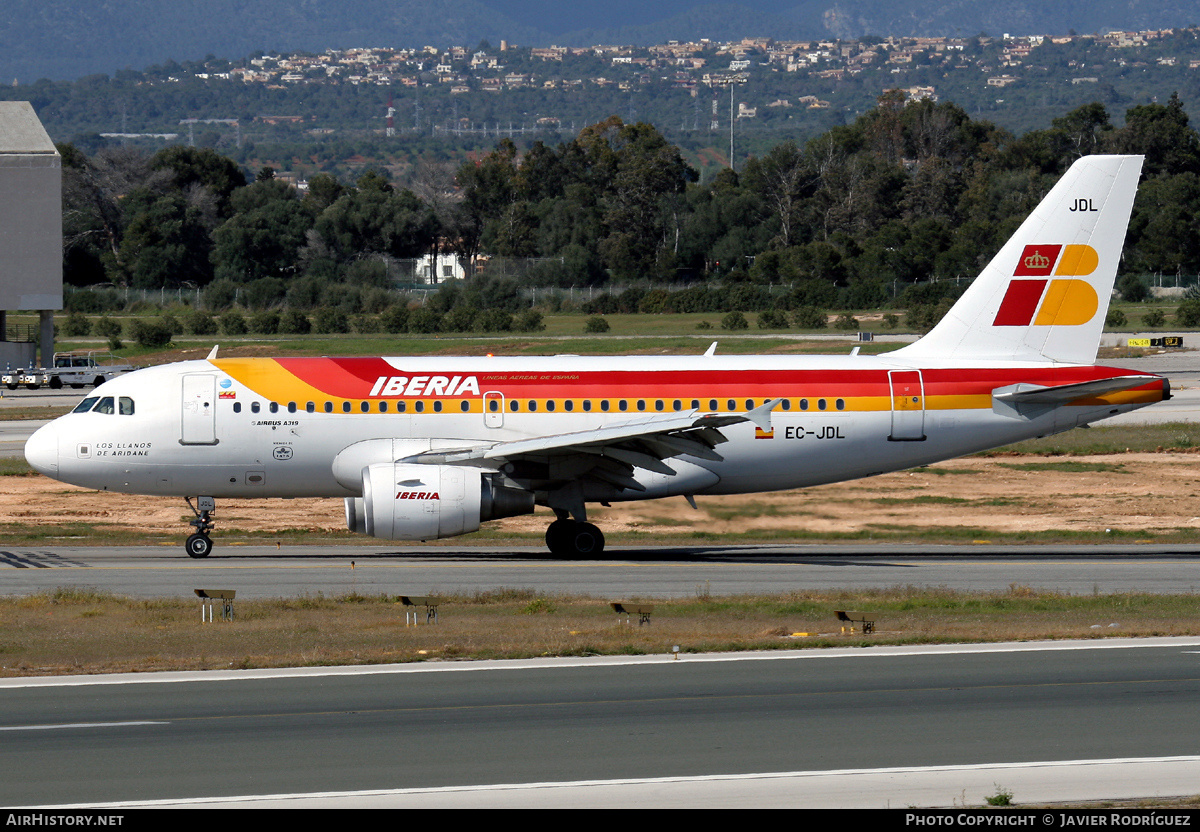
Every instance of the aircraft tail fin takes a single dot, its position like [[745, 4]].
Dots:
[[1045, 296]]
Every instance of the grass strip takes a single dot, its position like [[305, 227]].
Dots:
[[81, 630]]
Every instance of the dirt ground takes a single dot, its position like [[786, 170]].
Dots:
[[1130, 493]]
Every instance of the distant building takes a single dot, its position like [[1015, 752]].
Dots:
[[436, 268]]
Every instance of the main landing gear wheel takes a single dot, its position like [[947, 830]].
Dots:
[[570, 538], [198, 545]]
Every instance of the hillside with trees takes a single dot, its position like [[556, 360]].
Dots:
[[909, 201]]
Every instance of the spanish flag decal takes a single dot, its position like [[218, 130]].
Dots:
[[759, 433]]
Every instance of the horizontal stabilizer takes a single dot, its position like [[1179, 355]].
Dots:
[[1067, 393]]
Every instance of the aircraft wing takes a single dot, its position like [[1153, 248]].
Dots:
[[609, 454]]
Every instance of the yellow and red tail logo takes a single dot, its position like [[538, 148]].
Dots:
[[1067, 301]]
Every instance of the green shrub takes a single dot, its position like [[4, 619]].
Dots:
[[596, 324], [150, 334], [425, 321], [460, 319], [809, 317], [294, 322], [220, 294], [1189, 313], [395, 318], [106, 327], [846, 321], [1132, 289], [365, 324], [772, 319], [265, 322], [494, 320], [734, 321], [200, 323], [328, 321], [1154, 319], [530, 321], [77, 324], [233, 323]]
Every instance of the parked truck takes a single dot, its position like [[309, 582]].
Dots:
[[77, 369]]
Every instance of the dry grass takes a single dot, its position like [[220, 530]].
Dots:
[[72, 631]]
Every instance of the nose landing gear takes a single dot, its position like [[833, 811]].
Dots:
[[199, 544]]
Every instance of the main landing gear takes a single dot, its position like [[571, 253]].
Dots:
[[199, 544], [571, 538]]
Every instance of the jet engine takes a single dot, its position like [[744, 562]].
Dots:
[[425, 502]]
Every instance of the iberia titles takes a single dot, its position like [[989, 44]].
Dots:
[[425, 386]]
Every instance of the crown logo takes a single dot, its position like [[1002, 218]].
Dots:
[[1037, 261]]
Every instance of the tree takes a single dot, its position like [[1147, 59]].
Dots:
[[201, 167], [166, 243], [93, 216], [376, 218], [1161, 132], [264, 236], [783, 178]]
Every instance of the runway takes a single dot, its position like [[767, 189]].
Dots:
[[876, 727], [660, 571]]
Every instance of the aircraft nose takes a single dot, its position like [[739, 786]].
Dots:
[[41, 450]]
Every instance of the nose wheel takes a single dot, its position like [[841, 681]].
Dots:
[[199, 545]]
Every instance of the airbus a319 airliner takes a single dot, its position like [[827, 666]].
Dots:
[[427, 448]]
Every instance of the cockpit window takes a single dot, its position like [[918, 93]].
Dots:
[[105, 405], [126, 405], [86, 405]]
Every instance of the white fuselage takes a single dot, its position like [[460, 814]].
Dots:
[[253, 428]]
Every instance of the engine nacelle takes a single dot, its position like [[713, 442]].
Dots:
[[425, 502]]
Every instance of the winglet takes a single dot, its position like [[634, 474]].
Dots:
[[761, 415], [712, 349], [212, 356]]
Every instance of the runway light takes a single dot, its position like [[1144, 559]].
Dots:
[[675, 650]]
